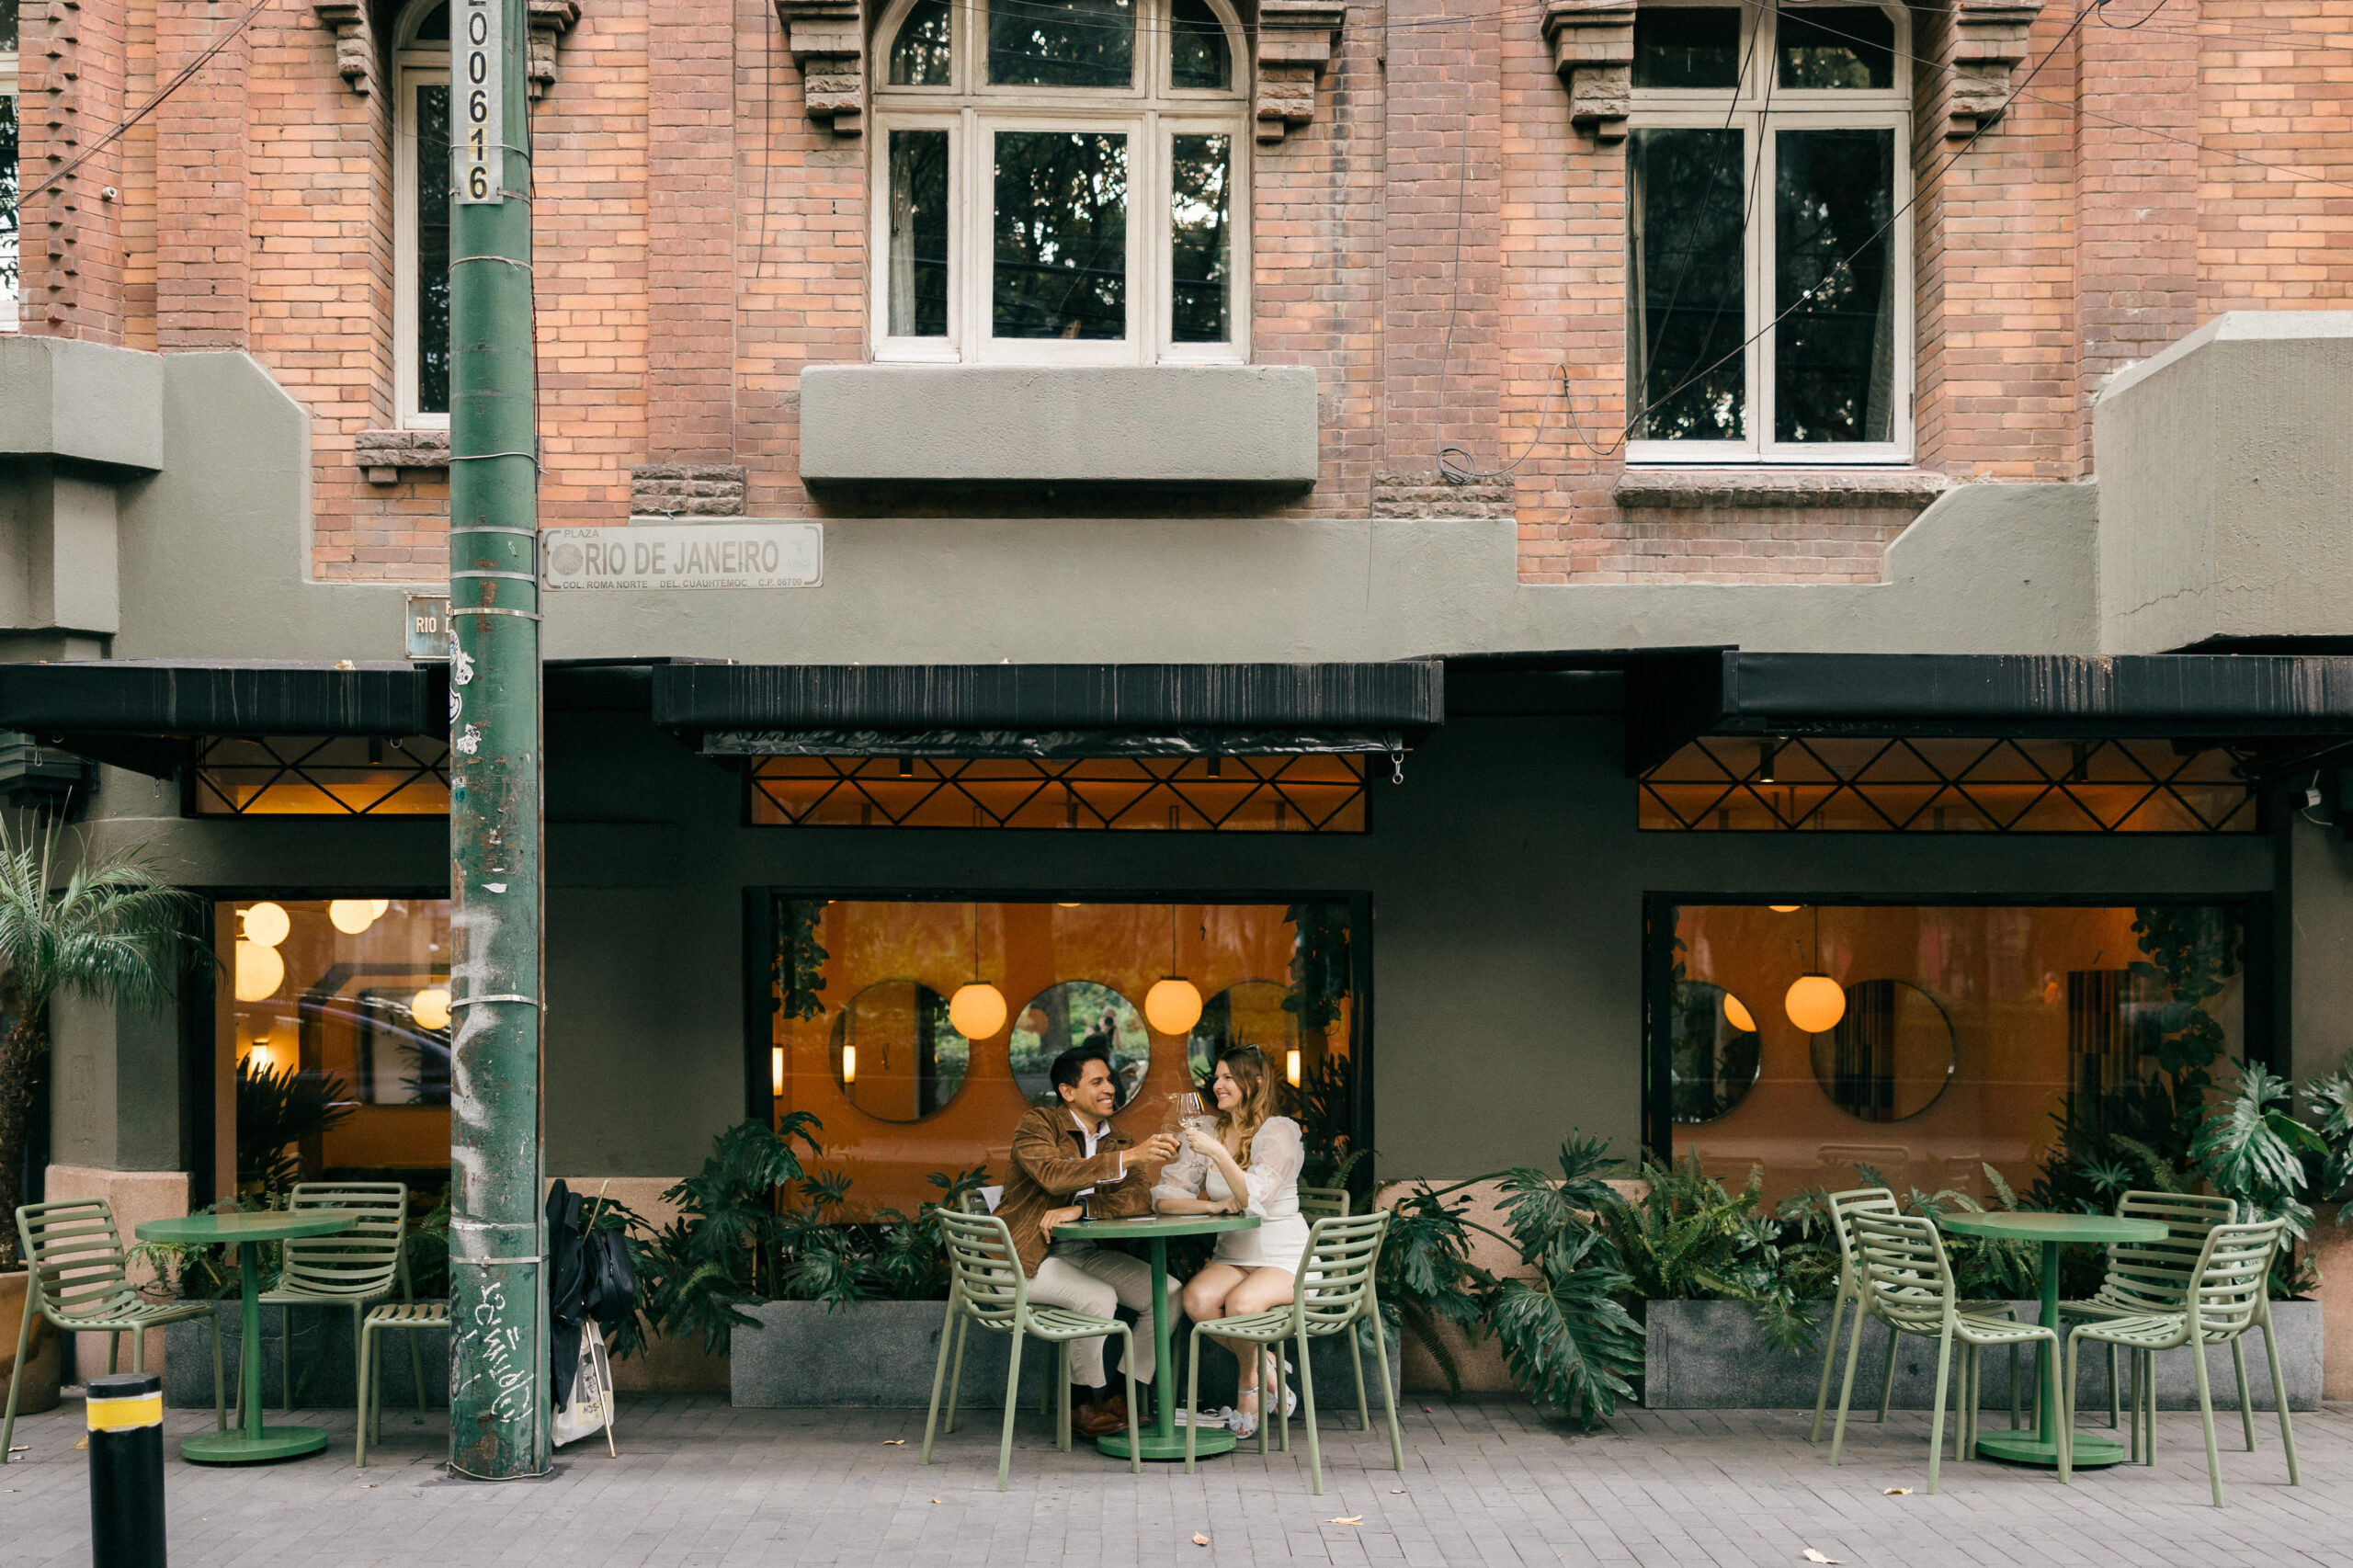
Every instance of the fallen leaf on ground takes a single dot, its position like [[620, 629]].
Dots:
[[1814, 1556], [935, 1499], [83, 1444], [1898, 1492], [1396, 1491], [1347, 1519], [1201, 1540], [894, 1442], [369, 1485]]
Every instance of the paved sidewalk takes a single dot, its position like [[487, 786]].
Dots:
[[700, 1485]]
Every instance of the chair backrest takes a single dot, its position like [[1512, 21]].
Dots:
[[2154, 1275], [1844, 1206], [985, 1272], [75, 1255], [1335, 1284], [360, 1262], [971, 1201], [1906, 1277], [2231, 1287], [1323, 1202]]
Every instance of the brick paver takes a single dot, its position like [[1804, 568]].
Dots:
[[703, 1485]]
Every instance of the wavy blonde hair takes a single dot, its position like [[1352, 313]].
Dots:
[[1247, 1064]]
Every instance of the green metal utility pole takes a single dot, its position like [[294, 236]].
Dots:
[[499, 1344]]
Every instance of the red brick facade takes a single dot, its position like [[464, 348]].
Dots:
[[702, 238]]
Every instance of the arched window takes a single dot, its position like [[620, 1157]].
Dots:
[[1768, 250], [1061, 181], [421, 215]]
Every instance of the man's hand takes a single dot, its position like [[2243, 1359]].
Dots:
[[1156, 1150], [1053, 1217]]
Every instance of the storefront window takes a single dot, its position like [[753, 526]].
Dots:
[[868, 1029], [332, 1033], [2046, 1041], [319, 775], [1308, 792]]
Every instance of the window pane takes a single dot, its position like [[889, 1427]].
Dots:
[[1834, 362], [432, 120], [1197, 42], [1837, 46], [1198, 242], [1684, 294], [434, 28], [919, 234], [1062, 234], [8, 24], [1687, 46], [10, 290], [919, 55], [1063, 43]]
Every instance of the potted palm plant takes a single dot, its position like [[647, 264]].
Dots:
[[114, 931]]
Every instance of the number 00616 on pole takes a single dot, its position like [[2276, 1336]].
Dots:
[[479, 48]]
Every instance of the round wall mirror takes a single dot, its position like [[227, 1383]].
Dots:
[[1248, 1012], [1079, 1012], [1717, 1051], [1891, 1056], [895, 1054]]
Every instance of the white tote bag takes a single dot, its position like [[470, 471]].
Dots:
[[591, 1409]]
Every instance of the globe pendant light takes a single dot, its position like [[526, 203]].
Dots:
[[352, 915], [1816, 1001], [259, 972], [1173, 1005], [429, 1008], [1737, 1015], [978, 1009], [266, 925]]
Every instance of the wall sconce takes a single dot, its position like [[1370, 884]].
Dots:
[[1290, 1065], [775, 1072], [849, 1065]]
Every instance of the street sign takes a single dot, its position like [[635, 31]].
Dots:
[[428, 626], [746, 552]]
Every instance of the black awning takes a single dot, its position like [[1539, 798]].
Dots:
[[1679, 695], [177, 698], [747, 708]]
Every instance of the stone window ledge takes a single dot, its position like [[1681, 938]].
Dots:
[[384, 455], [1682, 489]]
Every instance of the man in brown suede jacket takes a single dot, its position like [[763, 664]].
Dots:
[[1069, 1161]]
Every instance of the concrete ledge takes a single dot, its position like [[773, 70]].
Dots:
[[63, 398], [1688, 489], [1166, 424], [1713, 1355]]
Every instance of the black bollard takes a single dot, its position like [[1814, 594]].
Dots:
[[126, 1415]]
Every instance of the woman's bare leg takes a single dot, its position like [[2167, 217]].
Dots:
[[1205, 1302], [1264, 1289]]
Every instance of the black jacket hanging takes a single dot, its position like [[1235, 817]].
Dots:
[[567, 1290]]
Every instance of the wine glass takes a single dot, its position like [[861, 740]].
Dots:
[[1190, 1114]]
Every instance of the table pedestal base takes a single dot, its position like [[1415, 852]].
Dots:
[[240, 1447], [1169, 1446], [2028, 1447]]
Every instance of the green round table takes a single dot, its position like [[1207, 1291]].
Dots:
[[252, 1442], [2040, 1446], [1161, 1441]]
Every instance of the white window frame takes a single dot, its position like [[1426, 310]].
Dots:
[[1745, 109], [12, 307], [972, 111], [412, 67]]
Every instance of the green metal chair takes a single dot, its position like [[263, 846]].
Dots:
[[1844, 1206], [1333, 1292], [392, 1317], [988, 1286], [1908, 1285], [2229, 1292], [356, 1269], [973, 1203], [2154, 1276], [79, 1282], [1323, 1203]]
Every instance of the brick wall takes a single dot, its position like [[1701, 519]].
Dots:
[[702, 238]]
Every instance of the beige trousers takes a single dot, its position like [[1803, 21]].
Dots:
[[1087, 1278]]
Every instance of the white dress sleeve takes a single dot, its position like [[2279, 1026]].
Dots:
[[1277, 1154], [1182, 1177]]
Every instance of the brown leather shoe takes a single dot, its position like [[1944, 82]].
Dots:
[[1101, 1421]]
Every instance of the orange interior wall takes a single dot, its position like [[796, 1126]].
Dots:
[[2000, 974], [1023, 949]]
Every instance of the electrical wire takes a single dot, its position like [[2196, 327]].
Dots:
[[179, 79]]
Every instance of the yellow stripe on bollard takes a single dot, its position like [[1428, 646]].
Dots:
[[126, 1415]]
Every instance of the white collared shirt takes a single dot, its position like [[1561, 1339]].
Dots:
[[1094, 1135]]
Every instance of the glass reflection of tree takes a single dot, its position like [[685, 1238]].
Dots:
[[1062, 43], [1714, 1061], [1062, 234], [1833, 354], [1199, 239], [1686, 221]]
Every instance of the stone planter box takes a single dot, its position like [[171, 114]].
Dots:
[[1713, 1355], [883, 1353], [330, 1383]]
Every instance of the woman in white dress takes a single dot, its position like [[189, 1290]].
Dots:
[[1249, 1165]]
